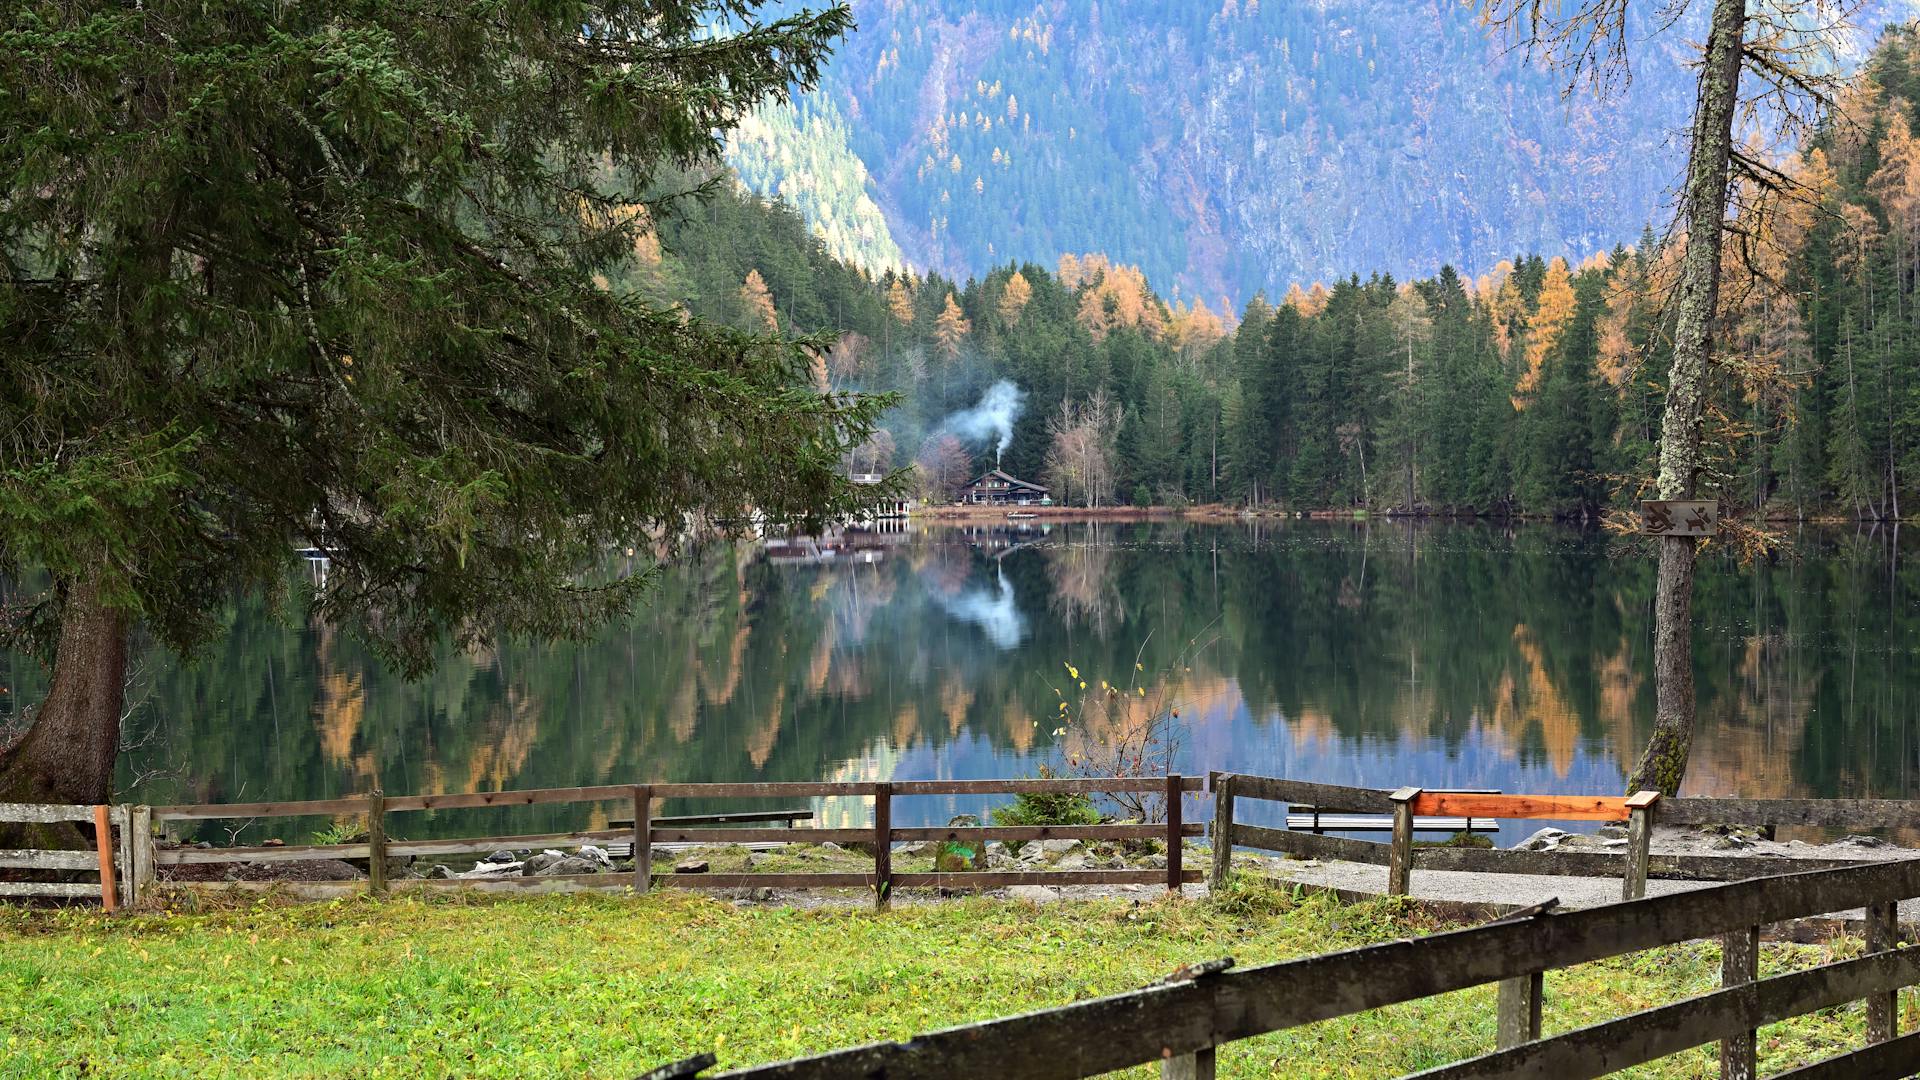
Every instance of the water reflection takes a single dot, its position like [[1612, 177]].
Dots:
[[1451, 656]]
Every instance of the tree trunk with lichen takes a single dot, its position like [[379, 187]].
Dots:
[[1696, 299], [68, 754]]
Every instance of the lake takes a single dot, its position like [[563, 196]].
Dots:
[[1374, 654]]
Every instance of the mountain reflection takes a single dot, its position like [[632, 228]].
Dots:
[[1449, 656]]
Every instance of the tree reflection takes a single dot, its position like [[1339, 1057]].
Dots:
[[1479, 657]]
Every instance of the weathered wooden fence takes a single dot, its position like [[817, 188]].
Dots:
[[1183, 1023], [1634, 864], [118, 867], [644, 832]]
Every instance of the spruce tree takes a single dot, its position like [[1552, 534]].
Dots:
[[335, 274]]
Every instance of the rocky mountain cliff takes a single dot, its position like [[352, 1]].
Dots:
[[1224, 146]]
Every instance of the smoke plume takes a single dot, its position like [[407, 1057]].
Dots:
[[992, 418]]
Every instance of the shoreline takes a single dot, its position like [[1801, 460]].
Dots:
[[1219, 512]]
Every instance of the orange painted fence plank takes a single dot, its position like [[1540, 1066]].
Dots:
[[1552, 807]]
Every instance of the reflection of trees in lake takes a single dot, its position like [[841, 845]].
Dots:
[[1084, 590], [1527, 648]]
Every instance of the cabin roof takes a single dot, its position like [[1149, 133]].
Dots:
[[1012, 481]]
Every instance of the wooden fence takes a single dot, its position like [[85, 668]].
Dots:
[[118, 867], [1182, 1022], [1634, 864], [376, 809]]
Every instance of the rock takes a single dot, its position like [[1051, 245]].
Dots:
[[917, 847], [1072, 860], [1862, 841], [1544, 840], [758, 859], [831, 846], [1154, 861], [995, 847], [493, 870], [567, 864], [439, 870], [596, 855], [1613, 832], [1131, 888], [1049, 851], [763, 894], [502, 856], [537, 864], [1731, 842], [690, 866], [1037, 894]]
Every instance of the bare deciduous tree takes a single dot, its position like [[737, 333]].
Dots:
[[1084, 444], [942, 466]]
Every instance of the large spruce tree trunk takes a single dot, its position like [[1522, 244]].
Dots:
[[1697, 299], [68, 754]]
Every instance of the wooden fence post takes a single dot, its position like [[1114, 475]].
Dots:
[[1639, 843], [1883, 934], [140, 839], [103, 844], [1195, 1066], [376, 843], [1400, 858], [1222, 831], [1739, 963], [642, 837], [1175, 845], [123, 853], [882, 845], [1518, 1020]]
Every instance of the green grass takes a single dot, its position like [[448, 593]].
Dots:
[[610, 985]]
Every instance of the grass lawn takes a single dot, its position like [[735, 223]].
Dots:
[[609, 986]]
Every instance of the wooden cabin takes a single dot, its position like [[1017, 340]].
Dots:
[[998, 489]]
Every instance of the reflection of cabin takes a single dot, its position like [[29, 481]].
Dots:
[[998, 489], [885, 508]]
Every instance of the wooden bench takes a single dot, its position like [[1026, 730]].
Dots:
[[1307, 817], [1316, 822]]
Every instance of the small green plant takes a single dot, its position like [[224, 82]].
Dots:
[[1048, 808], [341, 832]]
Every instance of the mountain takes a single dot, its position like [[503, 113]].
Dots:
[[1225, 147], [800, 152]]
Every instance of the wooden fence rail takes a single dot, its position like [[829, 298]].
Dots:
[[648, 830], [1183, 1023], [116, 865]]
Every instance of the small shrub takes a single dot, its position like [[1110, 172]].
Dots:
[[1047, 808]]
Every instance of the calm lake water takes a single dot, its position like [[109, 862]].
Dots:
[[1371, 654]]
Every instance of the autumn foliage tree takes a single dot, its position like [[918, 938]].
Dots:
[[950, 330]]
